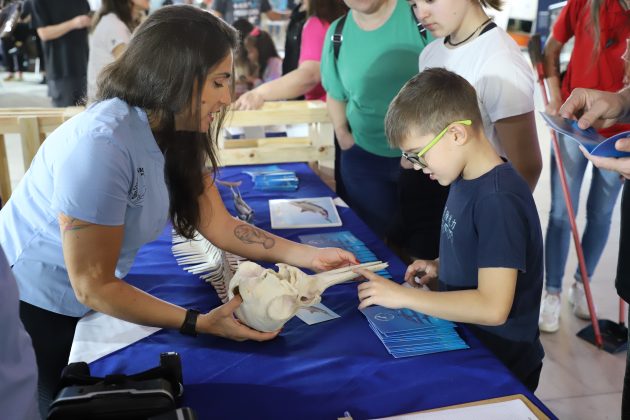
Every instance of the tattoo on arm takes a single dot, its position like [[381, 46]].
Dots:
[[251, 235], [67, 223]]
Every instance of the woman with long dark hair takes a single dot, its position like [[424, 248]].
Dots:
[[106, 182], [305, 79], [111, 30]]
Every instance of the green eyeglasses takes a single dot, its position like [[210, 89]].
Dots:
[[417, 158]]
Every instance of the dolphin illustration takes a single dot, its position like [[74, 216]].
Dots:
[[315, 310], [308, 206]]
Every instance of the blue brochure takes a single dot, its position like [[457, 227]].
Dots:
[[593, 142], [406, 333], [344, 240], [388, 321]]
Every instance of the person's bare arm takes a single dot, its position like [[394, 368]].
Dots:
[[519, 139], [292, 85], [551, 63], [91, 253], [489, 304], [48, 33], [337, 113], [233, 235]]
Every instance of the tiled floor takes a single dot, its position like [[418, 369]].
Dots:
[[578, 380]]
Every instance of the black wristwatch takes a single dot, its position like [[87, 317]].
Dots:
[[189, 327]]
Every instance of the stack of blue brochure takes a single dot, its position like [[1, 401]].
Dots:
[[344, 240], [408, 333], [272, 178]]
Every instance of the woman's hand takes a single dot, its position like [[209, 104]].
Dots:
[[325, 259], [249, 101], [426, 269], [222, 323], [380, 291]]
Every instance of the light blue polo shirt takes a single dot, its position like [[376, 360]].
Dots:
[[102, 166]]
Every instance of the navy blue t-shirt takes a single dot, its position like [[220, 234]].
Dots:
[[492, 221]]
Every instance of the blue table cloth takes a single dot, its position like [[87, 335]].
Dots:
[[308, 372]]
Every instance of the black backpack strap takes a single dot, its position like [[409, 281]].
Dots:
[[337, 37]]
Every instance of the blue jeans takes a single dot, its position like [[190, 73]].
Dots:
[[371, 187], [602, 196]]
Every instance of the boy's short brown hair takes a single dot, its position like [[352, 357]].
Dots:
[[428, 103]]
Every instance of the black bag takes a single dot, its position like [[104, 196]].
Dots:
[[128, 397]]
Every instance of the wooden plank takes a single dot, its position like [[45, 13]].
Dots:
[[277, 142], [5, 179], [29, 133], [250, 156], [47, 124], [36, 112], [535, 410], [280, 113]]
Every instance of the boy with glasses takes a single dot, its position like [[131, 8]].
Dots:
[[490, 269]]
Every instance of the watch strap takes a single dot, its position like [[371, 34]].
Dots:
[[189, 327]]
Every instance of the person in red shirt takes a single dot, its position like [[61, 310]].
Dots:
[[600, 29]]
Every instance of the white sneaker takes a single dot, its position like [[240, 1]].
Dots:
[[549, 319], [577, 298]]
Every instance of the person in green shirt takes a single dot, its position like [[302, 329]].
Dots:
[[378, 54]]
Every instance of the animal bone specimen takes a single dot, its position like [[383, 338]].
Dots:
[[200, 257], [271, 298]]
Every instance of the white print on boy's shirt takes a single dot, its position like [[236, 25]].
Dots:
[[448, 224]]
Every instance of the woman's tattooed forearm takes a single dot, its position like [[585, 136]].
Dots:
[[67, 223], [251, 235]]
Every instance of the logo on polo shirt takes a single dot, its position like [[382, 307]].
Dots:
[[139, 189]]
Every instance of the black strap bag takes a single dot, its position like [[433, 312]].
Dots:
[[127, 397]]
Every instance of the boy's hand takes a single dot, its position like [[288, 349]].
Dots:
[[379, 291], [427, 270]]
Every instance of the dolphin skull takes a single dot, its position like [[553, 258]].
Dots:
[[271, 298]]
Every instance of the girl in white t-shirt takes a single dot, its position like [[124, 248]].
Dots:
[[471, 45], [111, 31]]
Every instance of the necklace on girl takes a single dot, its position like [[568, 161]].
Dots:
[[454, 44]]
